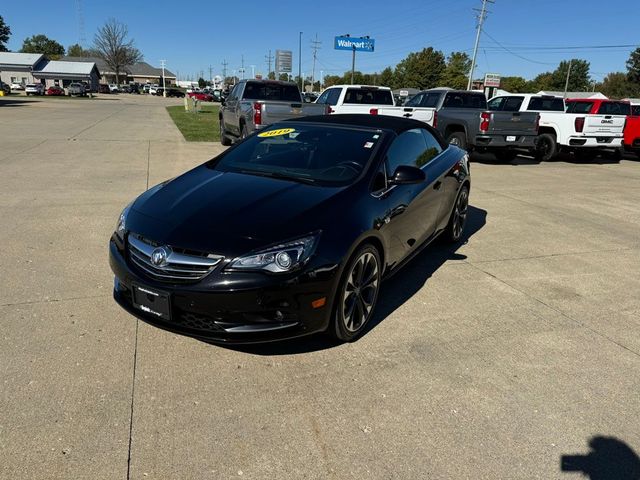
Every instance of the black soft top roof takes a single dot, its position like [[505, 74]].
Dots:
[[385, 122]]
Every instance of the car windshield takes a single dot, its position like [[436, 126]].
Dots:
[[320, 154]]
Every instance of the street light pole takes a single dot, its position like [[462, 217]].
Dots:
[[164, 88], [300, 61]]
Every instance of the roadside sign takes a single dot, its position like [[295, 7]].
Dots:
[[492, 80], [283, 61], [357, 44]]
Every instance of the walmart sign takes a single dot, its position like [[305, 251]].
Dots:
[[359, 44]]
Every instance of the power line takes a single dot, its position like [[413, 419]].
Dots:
[[515, 54]]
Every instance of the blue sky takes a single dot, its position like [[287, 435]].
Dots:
[[523, 37]]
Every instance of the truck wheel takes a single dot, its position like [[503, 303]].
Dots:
[[505, 155], [458, 139], [224, 140], [244, 132], [546, 147]]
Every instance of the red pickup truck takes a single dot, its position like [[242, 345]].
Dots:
[[632, 131]]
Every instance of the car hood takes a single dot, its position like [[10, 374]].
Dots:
[[229, 213]]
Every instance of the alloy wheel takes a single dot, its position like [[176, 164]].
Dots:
[[360, 292], [460, 213]]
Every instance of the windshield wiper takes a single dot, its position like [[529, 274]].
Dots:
[[280, 175]]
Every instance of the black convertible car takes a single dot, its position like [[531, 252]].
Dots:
[[290, 231]]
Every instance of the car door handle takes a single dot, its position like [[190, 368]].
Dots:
[[437, 185]]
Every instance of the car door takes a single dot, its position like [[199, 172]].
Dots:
[[412, 210], [231, 109]]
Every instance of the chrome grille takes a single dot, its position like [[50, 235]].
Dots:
[[180, 266]]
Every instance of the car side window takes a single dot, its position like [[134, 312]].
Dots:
[[512, 104], [414, 101], [433, 149], [407, 149], [329, 97], [496, 104], [234, 94]]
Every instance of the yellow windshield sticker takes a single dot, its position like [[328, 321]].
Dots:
[[277, 133]]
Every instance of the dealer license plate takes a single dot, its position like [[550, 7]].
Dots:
[[151, 301]]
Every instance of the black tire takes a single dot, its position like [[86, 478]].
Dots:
[[458, 139], [505, 155], [224, 140], [458, 218], [357, 294], [244, 132], [546, 147]]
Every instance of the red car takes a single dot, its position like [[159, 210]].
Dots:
[[55, 90], [632, 131], [202, 97]]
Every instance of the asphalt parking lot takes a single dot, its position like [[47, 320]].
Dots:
[[489, 361]]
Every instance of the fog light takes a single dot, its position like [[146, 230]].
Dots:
[[283, 259]]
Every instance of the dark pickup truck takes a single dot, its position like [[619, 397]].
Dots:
[[462, 117]]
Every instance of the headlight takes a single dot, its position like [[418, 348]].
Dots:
[[121, 226], [279, 258]]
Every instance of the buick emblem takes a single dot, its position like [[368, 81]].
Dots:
[[159, 256]]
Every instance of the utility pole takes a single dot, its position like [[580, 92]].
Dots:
[[164, 89], [300, 61], [481, 18], [210, 75], [242, 67], [566, 83], [268, 59], [224, 70], [315, 46], [253, 71]]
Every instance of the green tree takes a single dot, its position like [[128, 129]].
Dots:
[[514, 84], [112, 45], [618, 85], [386, 77], [420, 69], [330, 80], [456, 72], [76, 50], [579, 79], [202, 82], [271, 76], [283, 77], [5, 33], [543, 81], [633, 66], [42, 44]]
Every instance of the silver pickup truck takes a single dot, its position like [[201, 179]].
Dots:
[[254, 104]]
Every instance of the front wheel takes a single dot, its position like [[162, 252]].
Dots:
[[458, 218], [357, 294]]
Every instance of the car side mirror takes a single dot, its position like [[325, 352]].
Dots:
[[407, 175]]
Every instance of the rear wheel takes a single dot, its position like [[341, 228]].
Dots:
[[546, 147], [224, 140], [458, 139], [244, 132], [458, 218], [357, 294]]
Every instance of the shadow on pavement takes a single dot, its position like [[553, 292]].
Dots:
[[523, 159], [394, 292], [14, 102], [609, 459]]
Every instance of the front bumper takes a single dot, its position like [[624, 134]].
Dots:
[[259, 309]]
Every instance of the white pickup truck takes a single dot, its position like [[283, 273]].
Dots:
[[566, 128], [372, 100]]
